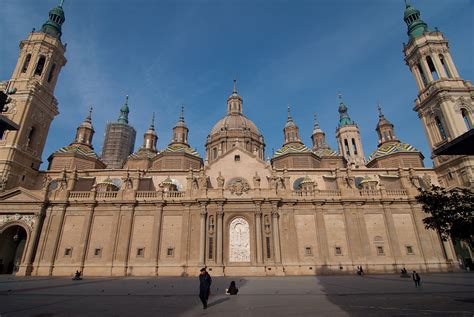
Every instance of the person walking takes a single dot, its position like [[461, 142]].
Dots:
[[205, 282], [416, 278]]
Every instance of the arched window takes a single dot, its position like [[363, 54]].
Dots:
[[467, 120], [432, 68], [30, 138], [346, 146], [26, 63], [354, 146], [443, 63], [385, 135], [214, 153], [51, 73], [422, 74], [441, 130], [40, 65]]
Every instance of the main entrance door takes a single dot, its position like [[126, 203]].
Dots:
[[12, 245]]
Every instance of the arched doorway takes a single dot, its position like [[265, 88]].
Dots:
[[12, 245]]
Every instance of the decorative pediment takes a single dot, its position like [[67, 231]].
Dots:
[[19, 194]]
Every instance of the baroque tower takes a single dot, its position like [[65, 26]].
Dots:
[[348, 138], [445, 100], [33, 106], [119, 139]]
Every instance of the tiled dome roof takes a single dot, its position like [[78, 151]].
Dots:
[[79, 149], [325, 152], [292, 148], [142, 153], [182, 149], [391, 148]]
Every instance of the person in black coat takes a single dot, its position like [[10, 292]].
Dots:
[[416, 278], [232, 290], [205, 282]]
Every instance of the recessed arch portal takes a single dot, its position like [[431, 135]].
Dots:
[[239, 240]]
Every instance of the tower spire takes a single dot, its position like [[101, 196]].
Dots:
[[290, 118], [55, 21], [124, 111], [344, 118], [234, 102], [89, 117], [416, 26], [152, 125]]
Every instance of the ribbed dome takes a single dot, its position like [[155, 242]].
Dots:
[[235, 122]]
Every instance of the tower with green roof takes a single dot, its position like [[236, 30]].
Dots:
[[348, 137], [119, 140], [34, 79], [445, 101]]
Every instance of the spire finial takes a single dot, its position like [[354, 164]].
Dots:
[[181, 117], [61, 3], [340, 96], [290, 118], [235, 87], [89, 117], [152, 126], [379, 108], [126, 100], [315, 120]]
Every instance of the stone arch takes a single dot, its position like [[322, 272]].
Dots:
[[14, 240], [239, 240]]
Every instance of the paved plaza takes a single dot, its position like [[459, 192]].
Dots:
[[371, 295]]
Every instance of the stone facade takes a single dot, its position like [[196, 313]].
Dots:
[[169, 212]]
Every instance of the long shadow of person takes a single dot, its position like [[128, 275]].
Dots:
[[219, 301]]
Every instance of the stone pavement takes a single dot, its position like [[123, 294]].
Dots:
[[443, 294]]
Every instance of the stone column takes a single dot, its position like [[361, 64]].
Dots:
[[392, 236], [276, 233], [58, 236], [418, 79], [258, 231], [202, 237], [451, 66], [87, 232], [27, 265], [157, 236], [220, 233], [439, 67], [426, 69]]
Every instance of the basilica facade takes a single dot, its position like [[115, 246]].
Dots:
[[306, 211]]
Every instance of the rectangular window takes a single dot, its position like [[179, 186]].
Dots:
[[237, 158], [410, 249], [170, 252], [211, 248], [68, 252], [308, 251], [140, 252], [269, 254], [98, 252], [380, 250], [338, 250]]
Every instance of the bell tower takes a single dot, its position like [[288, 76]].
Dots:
[[33, 106], [348, 137], [445, 101]]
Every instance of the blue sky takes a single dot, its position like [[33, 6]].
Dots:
[[165, 54]]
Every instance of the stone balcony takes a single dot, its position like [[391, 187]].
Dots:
[[150, 196]]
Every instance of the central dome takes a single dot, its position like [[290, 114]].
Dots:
[[235, 129], [235, 122]]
